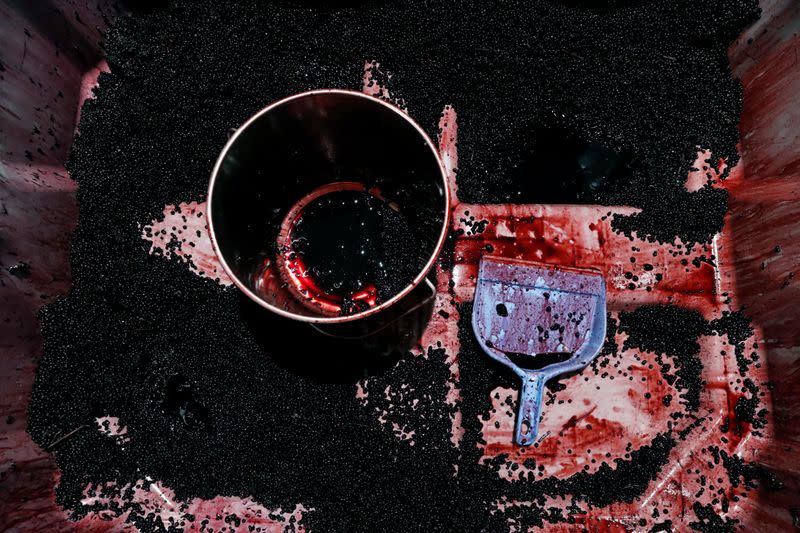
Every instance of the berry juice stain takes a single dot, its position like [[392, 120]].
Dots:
[[344, 250]]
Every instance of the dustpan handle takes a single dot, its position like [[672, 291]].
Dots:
[[530, 408]]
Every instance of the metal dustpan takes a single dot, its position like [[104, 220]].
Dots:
[[541, 321]]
